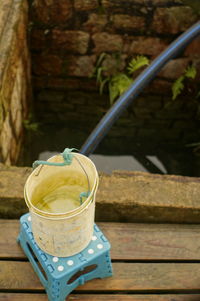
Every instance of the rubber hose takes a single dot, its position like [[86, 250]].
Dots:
[[141, 81]]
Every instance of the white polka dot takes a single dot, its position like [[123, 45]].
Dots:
[[90, 251], [100, 246], [94, 237], [55, 259], [70, 262], [60, 268], [29, 218]]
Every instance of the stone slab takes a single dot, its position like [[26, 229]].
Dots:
[[122, 196]]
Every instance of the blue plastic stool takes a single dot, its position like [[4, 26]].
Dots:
[[61, 275]]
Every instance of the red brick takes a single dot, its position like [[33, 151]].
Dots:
[[82, 66], [107, 42], [50, 12], [174, 68], [193, 48], [123, 4], [173, 19], [95, 23], [65, 83], [113, 65], [72, 41], [147, 46], [127, 22], [159, 86], [40, 11], [85, 5], [165, 2], [46, 64], [38, 39]]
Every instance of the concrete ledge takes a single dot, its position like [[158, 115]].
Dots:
[[122, 197], [138, 196]]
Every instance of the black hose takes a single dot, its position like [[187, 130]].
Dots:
[[142, 80]]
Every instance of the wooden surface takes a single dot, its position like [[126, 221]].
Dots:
[[151, 262], [129, 241], [92, 297], [129, 277]]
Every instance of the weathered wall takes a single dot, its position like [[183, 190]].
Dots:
[[14, 77], [67, 37]]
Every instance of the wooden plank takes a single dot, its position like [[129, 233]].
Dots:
[[128, 241], [131, 277], [72, 297], [153, 241], [8, 236]]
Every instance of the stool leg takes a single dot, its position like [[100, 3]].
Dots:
[[92, 262], [57, 291]]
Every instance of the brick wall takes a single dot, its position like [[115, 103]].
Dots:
[[14, 77], [67, 36]]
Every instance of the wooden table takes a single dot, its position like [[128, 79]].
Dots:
[[151, 262]]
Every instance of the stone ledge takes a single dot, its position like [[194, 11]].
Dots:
[[138, 196], [122, 197]]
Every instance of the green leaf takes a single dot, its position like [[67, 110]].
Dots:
[[193, 144], [177, 87], [100, 59], [191, 72], [198, 95], [118, 85], [31, 126], [99, 71], [102, 84], [113, 92], [99, 74], [96, 72], [137, 63], [123, 82]]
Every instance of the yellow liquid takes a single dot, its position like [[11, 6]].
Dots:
[[59, 195]]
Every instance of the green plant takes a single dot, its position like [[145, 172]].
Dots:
[[29, 125], [118, 82], [178, 85]]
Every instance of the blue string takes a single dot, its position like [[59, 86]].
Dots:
[[84, 195], [67, 159]]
